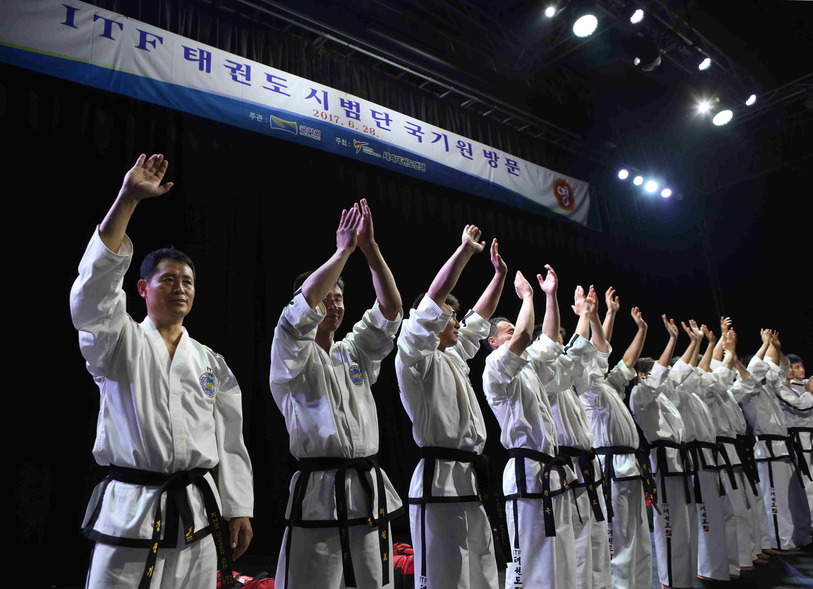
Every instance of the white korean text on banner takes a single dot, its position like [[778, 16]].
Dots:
[[85, 44]]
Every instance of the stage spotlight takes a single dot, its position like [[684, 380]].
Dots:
[[550, 11], [638, 180], [647, 54], [585, 25], [704, 64], [704, 106], [751, 100], [637, 16], [722, 117], [623, 174], [666, 193], [651, 186]]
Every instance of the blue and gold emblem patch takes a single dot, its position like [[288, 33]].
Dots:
[[355, 375], [208, 383]]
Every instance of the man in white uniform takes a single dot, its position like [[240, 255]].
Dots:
[[340, 501], [535, 482], [450, 530], [170, 411]]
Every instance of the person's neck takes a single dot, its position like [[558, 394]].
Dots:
[[324, 340], [171, 333]]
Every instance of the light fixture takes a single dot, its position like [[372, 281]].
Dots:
[[751, 100], [722, 117], [666, 193], [623, 174], [704, 106], [638, 180], [550, 11], [585, 25], [637, 16], [704, 64], [651, 186], [647, 54]]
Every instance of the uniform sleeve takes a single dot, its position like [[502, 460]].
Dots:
[[293, 344], [473, 328], [235, 481], [98, 303], [372, 337], [645, 393], [803, 402], [745, 388], [502, 367], [559, 367], [419, 334], [620, 376]]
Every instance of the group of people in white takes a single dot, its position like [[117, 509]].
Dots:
[[724, 457]]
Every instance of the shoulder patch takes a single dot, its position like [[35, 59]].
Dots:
[[212, 351]]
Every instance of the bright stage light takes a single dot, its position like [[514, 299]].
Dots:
[[623, 174], [638, 180], [705, 64], [704, 106], [585, 25], [751, 100], [666, 193], [550, 11], [722, 117], [637, 16], [651, 186]]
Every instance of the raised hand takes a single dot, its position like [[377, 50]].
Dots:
[[613, 304], [500, 267], [549, 284], [671, 327], [766, 335], [143, 180], [638, 317], [578, 305], [471, 239], [709, 334], [725, 325], [522, 286], [696, 331], [592, 301], [730, 341], [365, 236], [346, 233]]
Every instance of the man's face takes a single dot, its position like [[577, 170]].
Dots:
[[505, 332], [449, 336], [169, 292], [334, 310], [796, 371]]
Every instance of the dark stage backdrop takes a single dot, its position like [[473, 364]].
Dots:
[[253, 212]]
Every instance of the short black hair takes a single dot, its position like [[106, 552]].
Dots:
[[494, 323], [149, 266], [300, 280], [794, 359], [451, 300], [644, 365]]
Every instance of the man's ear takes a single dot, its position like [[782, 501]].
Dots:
[[142, 288]]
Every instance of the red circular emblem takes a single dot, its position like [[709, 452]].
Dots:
[[564, 194]]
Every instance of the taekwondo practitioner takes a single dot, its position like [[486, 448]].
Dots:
[[793, 397], [170, 412], [616, 440], [659, 419], [784, 500], [340, 502], [717, 557], [535, 482], [450, 529]]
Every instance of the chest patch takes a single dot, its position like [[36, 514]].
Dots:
[[208, 383], [355, 375]]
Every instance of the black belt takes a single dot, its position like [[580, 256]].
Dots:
[[177, 507], [609, 474], [749, 462], [696, 448], [550, 463], [361, 465], [660, 447], [584, 459], [799, 450], [487, 494]]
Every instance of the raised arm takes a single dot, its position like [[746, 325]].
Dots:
[[633, 352], [449, 274], [142, 181], [596, 330], [386, 291], [705, 363], [613, 305], [550, 286], [581, 309], [730, 358], [669, 350], [524, 327], [775, 350], [318, 284], [725, 325], [693, 349], [488, 301]]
